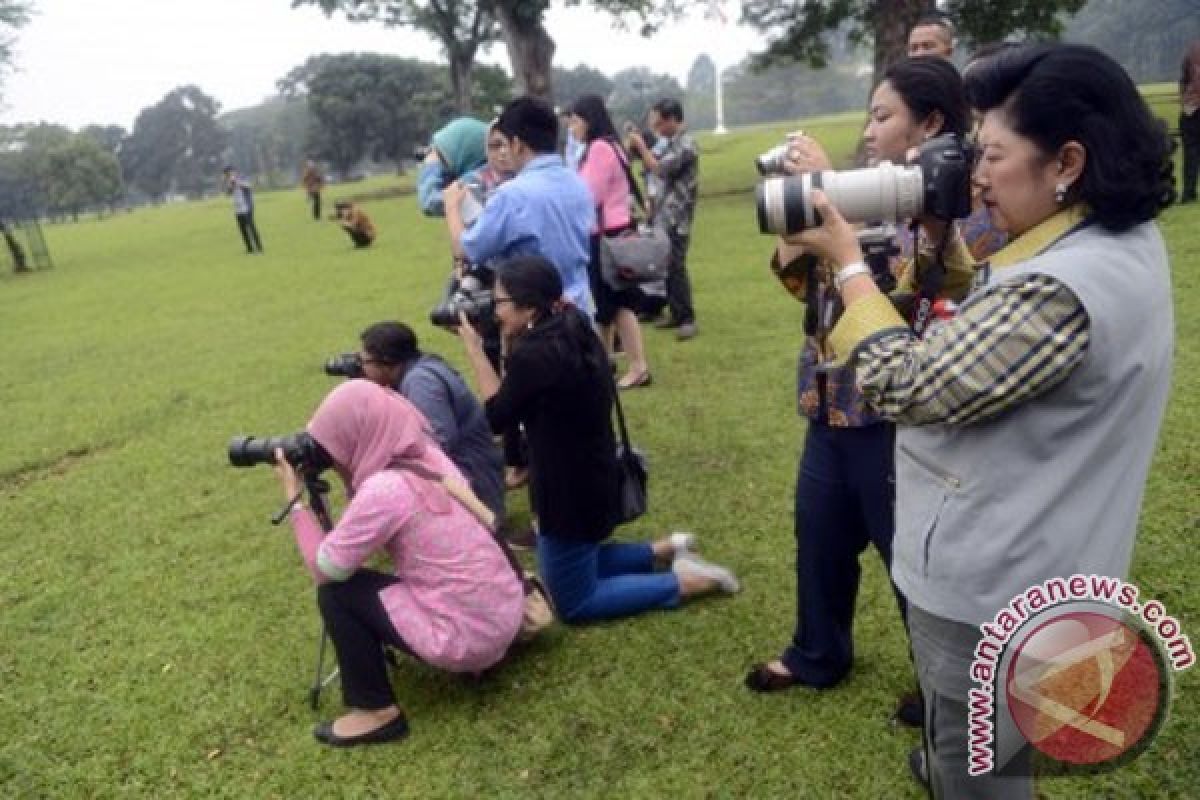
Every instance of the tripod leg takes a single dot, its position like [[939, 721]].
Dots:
[[314, 694]]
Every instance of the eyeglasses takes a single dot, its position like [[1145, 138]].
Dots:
[[497, 299]]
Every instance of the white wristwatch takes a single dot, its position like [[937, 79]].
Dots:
[[849, 271]]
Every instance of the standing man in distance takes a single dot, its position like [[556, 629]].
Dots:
[[678, 168], [545, 210], [243, 208], [313, 182]]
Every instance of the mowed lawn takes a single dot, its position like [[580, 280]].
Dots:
[[158, 635]]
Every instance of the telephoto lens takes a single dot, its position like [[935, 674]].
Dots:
[[300, 450], [346, 365], [886, 193]]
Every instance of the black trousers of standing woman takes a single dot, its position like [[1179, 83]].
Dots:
[[359, 627], [249, 231], [844, 502]]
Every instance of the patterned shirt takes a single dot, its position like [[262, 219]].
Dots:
[[679, 168], [1009, 342], [817, 381]]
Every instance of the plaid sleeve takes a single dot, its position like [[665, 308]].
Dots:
[[1014, 342]]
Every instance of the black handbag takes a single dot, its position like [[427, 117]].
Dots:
[[632, 472]]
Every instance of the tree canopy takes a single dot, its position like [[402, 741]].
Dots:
[[14, 14], [176, 145]]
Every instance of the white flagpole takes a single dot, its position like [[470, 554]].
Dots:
[[717, 15]]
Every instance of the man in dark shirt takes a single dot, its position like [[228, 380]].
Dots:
[[678, 168], [390, 358]]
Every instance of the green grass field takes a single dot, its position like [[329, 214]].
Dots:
[[158, 635]]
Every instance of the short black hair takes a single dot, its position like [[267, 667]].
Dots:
[[927, 84], [669, 108], [533, 121], [1052, 94], [938, 19], [390, 342]]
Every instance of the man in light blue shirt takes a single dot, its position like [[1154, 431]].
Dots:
[[545, 210]]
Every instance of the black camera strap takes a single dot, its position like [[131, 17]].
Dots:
[[930, 281]]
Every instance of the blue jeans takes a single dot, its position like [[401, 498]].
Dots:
[[844, 501], [593, 580]]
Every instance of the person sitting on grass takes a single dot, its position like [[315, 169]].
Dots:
[[354, 222], [453, 600]]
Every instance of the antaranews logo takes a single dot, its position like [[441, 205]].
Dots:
[[1076, 667]]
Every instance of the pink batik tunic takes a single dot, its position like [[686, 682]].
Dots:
[[457, 605]]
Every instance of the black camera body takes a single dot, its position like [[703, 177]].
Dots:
[[300, 450], [346, 365], [472, 295]]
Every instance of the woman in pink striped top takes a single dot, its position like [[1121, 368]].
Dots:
[[604, 167], [453, 601]]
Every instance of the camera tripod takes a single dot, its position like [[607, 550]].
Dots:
[[316, 488]]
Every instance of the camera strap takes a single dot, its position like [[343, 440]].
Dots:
[[930, 282]]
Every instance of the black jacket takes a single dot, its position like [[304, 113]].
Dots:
[[566, 407]]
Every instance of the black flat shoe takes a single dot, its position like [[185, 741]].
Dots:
[[396, 729]]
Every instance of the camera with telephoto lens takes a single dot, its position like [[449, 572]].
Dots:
[[771, 162], [300, 450], [938, 184], [346, 365]]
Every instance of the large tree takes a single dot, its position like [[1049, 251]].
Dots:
[[176, 144], [372, 105], [804, 30], [13, 15], [462, 27]]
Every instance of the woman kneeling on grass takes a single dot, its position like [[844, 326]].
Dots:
[[558, 385], [453, 602]]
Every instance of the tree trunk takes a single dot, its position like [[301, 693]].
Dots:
[[891, 22], [530, 48], [14, 247], [460, 80]]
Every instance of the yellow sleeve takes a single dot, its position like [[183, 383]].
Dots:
[[960, 269], [860, 321]]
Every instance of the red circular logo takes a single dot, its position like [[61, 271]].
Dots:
[[1087, 689]]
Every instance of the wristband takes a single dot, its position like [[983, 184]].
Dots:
[[849, 271]]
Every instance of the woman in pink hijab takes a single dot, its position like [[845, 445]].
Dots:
[[453, 600]]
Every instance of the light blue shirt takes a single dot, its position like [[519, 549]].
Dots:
[[546, 210]]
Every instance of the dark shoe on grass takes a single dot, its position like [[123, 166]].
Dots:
[[687, 330], [910, 711], [388, 732]]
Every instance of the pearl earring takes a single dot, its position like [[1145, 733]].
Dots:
[[1060, 193]]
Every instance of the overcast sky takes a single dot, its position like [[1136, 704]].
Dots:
[[102, 61]]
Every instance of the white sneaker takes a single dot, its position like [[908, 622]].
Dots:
[[689, 563], [682, 543]]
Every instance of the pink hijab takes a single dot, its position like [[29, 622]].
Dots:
[[366, 429]]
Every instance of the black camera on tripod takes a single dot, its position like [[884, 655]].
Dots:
[[300, 450]]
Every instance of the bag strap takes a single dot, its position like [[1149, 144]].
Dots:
[[467, 498], [627, 450]]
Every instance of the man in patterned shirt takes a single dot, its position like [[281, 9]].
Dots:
[[678, 168]]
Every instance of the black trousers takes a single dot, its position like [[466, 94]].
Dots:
[[679, 285], [1189, 132], [844, 502], [315, 199], [249, 231], [359, 628]]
